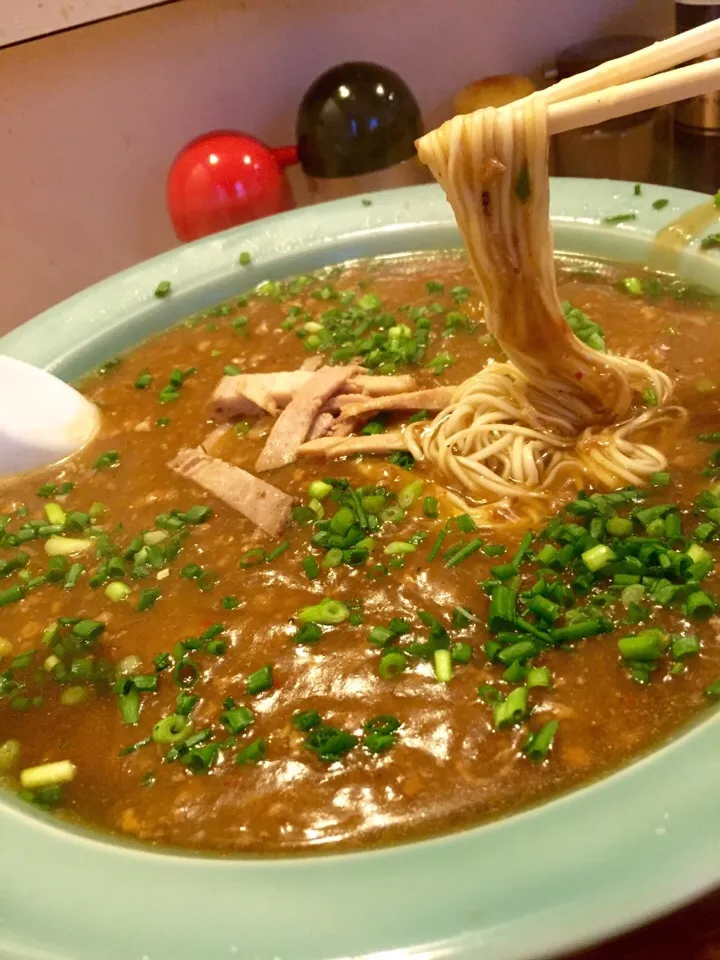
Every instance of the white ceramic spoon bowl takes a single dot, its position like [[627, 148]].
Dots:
[[42, 419]]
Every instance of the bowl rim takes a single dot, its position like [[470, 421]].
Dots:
[[589, 864]]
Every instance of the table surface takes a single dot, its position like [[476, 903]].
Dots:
[[692, 933]]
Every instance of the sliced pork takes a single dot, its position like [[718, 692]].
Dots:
[[435, 399], [249, 394], [253, 393], [344, 446], [262, 504], [293, 425], [324, 423], [382, 386]]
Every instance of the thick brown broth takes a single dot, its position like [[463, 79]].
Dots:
[[449, 767]]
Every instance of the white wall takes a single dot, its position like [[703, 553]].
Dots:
[[23, 19], [90, 119]]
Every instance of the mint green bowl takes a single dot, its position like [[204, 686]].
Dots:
[[592, 863]]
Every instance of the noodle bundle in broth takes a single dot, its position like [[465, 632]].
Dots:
[[556, 406]]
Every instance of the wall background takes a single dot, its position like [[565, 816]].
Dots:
[[21, 19], [90, 119]]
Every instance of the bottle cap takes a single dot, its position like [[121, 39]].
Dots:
[[356, 118]]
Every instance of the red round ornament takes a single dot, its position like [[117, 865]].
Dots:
[[225, 178]]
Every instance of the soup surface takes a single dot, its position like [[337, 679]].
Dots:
[[176, 657]]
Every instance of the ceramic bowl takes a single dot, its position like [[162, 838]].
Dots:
[[589, 864]]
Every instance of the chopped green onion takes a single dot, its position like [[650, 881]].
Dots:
[[278, 550], [318, 490], [72, 696], [435, 549], [259, 681], [251, 558], [327, 612], [461, 652], [185, 703], [329, 743], [598, 557], [620, 218], [465, 523], [306, 720], [129, 703], [380, 636], [494, 549], [88, 629], [649, 397], [66, 546], [633, 286], [579, 631], [186, 672], [462, 618], [171, 729], [538, 744], [400, 547], [310, 567], [710, 242], [619, 527], [110, 458], [512, 710], [147, 599], [443, 666], [466, 551], [684, 645], [544, 609], [409, 494], [502, 611], [237, 719], [489, 694], [699, 605], [660, 479], [392, 664], [253, 753], [73, 576], [47, 775], [647, 645], [538, 677], [55, 513]]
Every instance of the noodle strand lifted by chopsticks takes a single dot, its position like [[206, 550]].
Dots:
[[556, 406]]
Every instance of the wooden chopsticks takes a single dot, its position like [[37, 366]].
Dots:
[[645, 94], [628, 84]]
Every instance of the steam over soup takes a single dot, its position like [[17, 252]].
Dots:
[[245, 619]]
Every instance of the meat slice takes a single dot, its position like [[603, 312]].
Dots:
[[344, 446], [323, 424], [312, 363], [214, 437], [265, 505], [382, 386], [340, 400], [435, 399], [249, 394], [342, 428], [293, 425]]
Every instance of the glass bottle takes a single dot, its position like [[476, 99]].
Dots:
[[627, 148], [697, 121]]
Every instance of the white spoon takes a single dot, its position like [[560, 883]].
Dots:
[[42, 419]]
